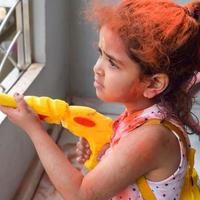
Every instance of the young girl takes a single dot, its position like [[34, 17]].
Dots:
[[149, 52]]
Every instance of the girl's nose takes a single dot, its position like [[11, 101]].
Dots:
[[98, 68]]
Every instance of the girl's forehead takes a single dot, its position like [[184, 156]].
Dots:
[[110, 40]]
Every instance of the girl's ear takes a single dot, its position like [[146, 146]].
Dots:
[[156, 85]]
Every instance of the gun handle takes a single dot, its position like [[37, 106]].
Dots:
[[95, 127], [95, 149]]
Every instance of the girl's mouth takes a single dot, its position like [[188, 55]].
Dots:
[[97, 84]]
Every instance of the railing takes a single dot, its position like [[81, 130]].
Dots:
[[15, 48]]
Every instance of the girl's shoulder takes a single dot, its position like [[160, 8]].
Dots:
[[160, 146], [127, 123], [156, 135]]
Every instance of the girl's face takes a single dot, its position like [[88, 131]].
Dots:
[[117, 77]]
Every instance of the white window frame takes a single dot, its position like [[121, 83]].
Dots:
[[22, 38]]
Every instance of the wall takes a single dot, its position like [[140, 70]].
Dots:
[[83, 51], [51, 44]]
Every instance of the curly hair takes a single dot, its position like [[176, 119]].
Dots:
[[163, 37]]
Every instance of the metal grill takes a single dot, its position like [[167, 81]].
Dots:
[[15, 48]]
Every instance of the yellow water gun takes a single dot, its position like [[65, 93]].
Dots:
[[82, 121]]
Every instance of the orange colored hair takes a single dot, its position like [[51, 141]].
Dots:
[[163, 37]]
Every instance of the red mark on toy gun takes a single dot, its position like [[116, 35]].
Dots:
[[84, 121]]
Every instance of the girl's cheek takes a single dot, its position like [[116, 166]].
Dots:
[[138, 90]]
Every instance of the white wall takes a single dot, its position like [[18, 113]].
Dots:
[[51, 46], [83, 51]]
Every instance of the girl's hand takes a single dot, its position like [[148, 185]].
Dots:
[[83, 150], [22, 116]]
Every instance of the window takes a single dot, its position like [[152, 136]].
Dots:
[[15, 49]]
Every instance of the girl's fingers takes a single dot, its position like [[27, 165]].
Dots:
[[83, 150], [83, 153], [84, 142], [79, 146], [20, 101], [78, 152], [80, 160], [6, 110], [22, 105]]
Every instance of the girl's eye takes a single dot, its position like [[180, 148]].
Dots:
[[113, 64]]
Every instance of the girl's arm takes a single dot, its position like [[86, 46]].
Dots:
[[133, 157]]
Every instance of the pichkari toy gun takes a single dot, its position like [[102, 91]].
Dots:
[[80, 120]]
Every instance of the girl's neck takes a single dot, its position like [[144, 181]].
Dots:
[[133, 107]]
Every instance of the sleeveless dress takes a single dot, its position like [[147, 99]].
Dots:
[[167, 189]]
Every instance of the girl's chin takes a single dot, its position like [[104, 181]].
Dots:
[[99, 95], [104, 97]]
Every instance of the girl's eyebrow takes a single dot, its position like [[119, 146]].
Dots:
[[111, 57]]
